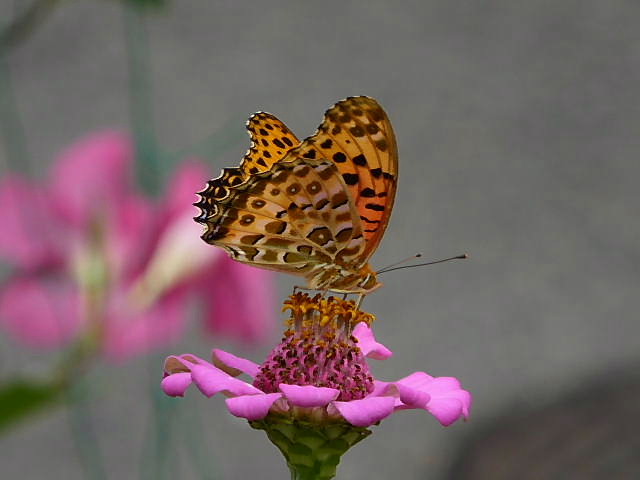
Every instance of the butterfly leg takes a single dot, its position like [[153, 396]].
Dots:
[[302, 289], [360, 299]]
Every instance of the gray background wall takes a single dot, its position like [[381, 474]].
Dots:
[[518, 131]]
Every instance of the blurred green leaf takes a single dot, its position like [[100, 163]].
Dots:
[[148, 3], [20, 399]]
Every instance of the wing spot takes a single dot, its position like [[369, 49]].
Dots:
[[360, 160], [382, 145], [339, 199], [291, 257], [320, 235], [375, 207], [277, 227], [263, 132], [310, 154], [294, 188], [247, 219], [325, 174], [287, 141], [377, 114], [376, 172], [351, 178], [372, 128], [321, 204], [280, 177], [251, 239], [339, 157], [326, 144], [357, 131], [314, 187], [368, 192], [302, 172], [344, 234], [278, 143]]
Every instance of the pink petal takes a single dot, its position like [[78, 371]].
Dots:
[[175, 385], [189, 178], [132, 328], [252, 407], [448, 400], [30, 235], [417, 380], [130, 236], [91, 175], [412, 397], [308, 395], [233, 365], [367, 343], [211, 381], [43, 313], [446, 410], [365, 412], [239, 300], [183, 363]]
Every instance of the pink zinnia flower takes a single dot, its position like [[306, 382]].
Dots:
[[317, 380], [93, 258]]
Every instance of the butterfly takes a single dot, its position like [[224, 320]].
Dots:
[[316, 208]]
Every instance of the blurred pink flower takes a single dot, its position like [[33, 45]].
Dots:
[[91, 256], [322, 381]]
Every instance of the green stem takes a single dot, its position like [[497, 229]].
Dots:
[[84, 436], [26, 22], [157, 453], [202, 460], [11, 127], [312, 451], [140, 97]]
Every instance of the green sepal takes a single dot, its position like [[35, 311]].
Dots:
[[312, 450]]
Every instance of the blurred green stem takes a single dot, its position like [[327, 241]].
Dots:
[[26, 22], [11, 127], [157, 457], [140, 97], [84, 435]]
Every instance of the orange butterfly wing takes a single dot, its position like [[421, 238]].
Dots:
[[357, 136], [270, 141], [316, 208]]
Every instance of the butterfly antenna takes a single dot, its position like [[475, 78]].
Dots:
[[392, 268], [384, 269]]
